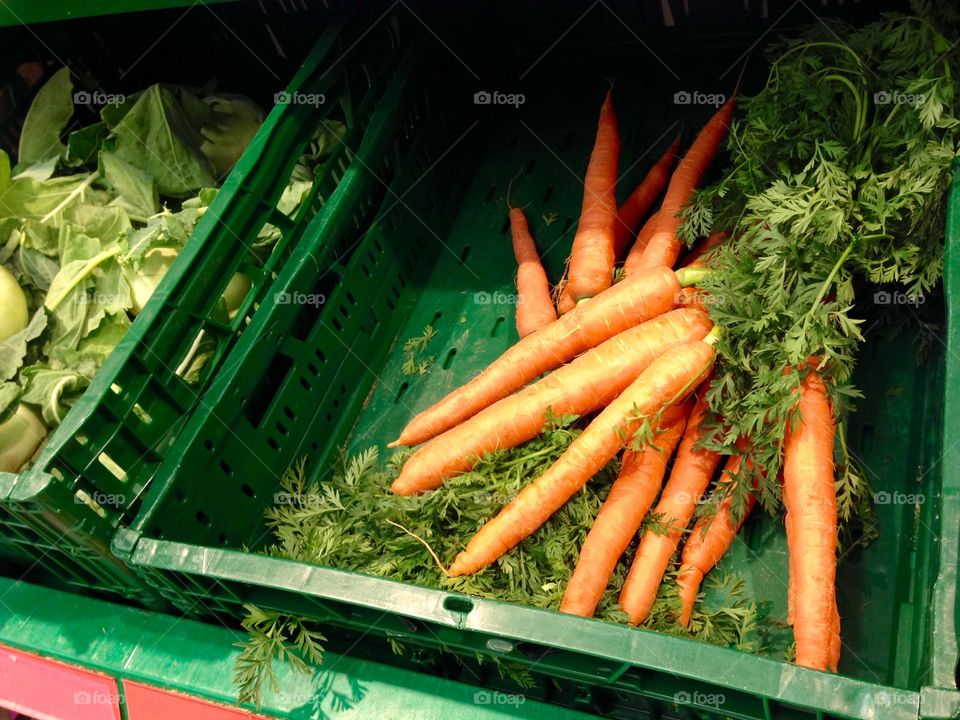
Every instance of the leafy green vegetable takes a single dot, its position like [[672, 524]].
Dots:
[[50, 390], [273, 636], [44, 200], [231, 125], [9, 399], [157, 136], [42, 170], [46, 120], [4, 171], [415, 362], [135, 189], [88, 227], [13, 350], [84, 144]]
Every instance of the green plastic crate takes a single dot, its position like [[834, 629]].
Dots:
[[306, 381], [58, 517]]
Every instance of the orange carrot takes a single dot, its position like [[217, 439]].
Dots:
[[668, 380], [835, 640], [664, 246], [583, 386], [632, 264], [701, 253], [707, 543], [641, 199], [565, 303], [622, 513], [592, 258], [534, 304], [810, 501], [791, 581], [698, 258], [613, 311], [689, 478]]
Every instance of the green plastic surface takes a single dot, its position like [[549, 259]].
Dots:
[[196, 658], [308, 380], [27, 12], [114, 438]]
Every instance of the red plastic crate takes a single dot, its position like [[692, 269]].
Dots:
[[46, 689], [146, 702]]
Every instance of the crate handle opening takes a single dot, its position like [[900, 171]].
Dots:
[[457, 604], [499, 646]]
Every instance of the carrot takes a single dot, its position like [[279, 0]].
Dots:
[[592, 258], [630, 496], [668, 380], [698, 256], [632, 263], [613, 311], [707, 543], [834, 640], [565, 303], [689, 478], [791, 581], [534, 304], [641, 199], [664, 246], [583, 386], [810, 501]]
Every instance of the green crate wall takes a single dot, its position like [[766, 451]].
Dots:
[[114, 438]]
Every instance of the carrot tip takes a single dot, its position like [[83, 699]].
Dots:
[[395, 443], [401, 489]]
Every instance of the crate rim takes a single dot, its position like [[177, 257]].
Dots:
[[633, 646]]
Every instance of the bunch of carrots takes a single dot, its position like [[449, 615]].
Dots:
[[636, 354]]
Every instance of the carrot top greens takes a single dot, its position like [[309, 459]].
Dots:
[[351, 521], [837, 175]]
